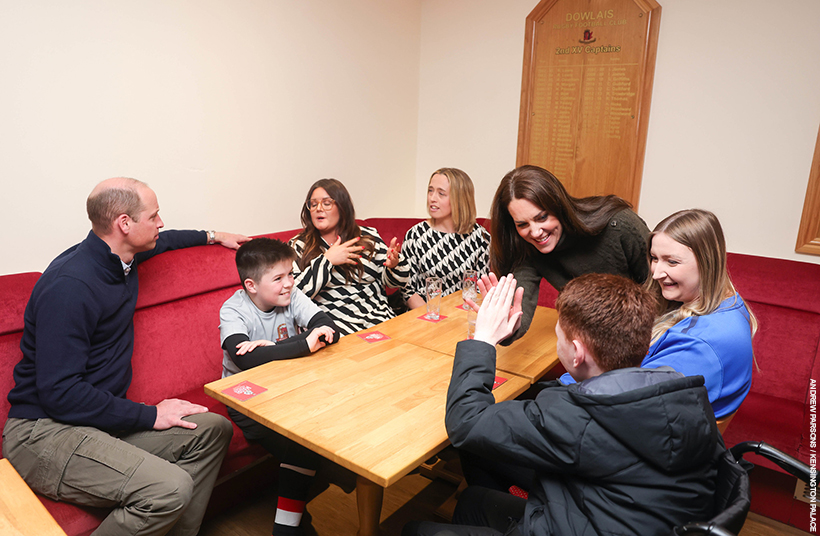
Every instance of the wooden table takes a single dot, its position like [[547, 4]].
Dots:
[[21, 512], [531, 356], [376, 408]]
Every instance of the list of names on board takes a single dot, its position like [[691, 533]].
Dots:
[[584, 99]]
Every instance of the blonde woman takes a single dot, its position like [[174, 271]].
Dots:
[[704, 327], [450, 241]]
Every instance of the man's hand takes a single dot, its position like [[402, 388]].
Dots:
[[313, 337], [343, 252], [249, 346], [230, 240], [393, 254], [500, 313], [171, 411]]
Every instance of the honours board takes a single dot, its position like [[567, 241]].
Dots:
[[586, 89]]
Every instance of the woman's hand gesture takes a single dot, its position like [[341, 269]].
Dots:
[[393, 254], [500, 312], [489, 282], [343, 252]]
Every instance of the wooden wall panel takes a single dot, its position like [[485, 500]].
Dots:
[[808, 237], [586, 90]]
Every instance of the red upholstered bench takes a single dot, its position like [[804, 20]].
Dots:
[[176, 346], [785, 297], [176, 352], [176, 349]]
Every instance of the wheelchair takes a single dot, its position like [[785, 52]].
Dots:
[[733, 492]]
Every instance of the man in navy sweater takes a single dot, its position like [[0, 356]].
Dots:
[[71, 433]]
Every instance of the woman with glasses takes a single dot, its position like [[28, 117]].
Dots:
[[345, 268]]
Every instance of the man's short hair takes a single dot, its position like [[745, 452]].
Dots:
[[105, 205], [257, 256], [611, 315]]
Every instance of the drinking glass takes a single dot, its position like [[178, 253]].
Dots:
[[471, 316], [469, 287], [432, 288]]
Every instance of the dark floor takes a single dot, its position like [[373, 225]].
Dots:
[[334, 512]]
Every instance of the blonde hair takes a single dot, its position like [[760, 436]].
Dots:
[[700, 231], [462, 198]]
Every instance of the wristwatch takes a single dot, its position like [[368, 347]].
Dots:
[[211, 237]]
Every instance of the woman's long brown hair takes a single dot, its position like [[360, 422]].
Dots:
[[578, 216], [347, 228]]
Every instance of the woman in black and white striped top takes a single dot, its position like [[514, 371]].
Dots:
[[342, 267]]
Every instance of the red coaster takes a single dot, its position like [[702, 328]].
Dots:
[[243, 391], [374, 336], [498, 382], [427, 319]]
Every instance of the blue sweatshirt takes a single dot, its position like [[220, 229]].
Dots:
[[78, 338], [717, 346]]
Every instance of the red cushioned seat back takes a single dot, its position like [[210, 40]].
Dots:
[[547, 294], [15, 291], [785, 297], [176, 324], [389, 228]]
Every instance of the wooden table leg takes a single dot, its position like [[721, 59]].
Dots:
[[369, 501]]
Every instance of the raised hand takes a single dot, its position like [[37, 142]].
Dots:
[[486, 282], [393, 254]]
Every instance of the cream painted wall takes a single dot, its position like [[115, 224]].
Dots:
[[734, 119], [231, 109], [228, 109], [469, 92]]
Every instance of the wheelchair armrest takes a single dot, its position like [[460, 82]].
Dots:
[[701, 529], [791, 465]]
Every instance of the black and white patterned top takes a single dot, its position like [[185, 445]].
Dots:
[[446, 255], [357, 305]]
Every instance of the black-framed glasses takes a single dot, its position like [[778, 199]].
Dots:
[[326, 202]]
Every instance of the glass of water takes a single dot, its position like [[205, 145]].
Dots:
[[469, 287], [432, 288], [471, 316]]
